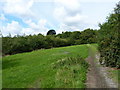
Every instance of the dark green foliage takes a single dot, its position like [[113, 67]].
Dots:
[[51, 32], [6, 44], [77, 37], [13, 45], [109, 40], [19, 44], [88, 36]]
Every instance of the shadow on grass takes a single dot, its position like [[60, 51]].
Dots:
[[10, 63]]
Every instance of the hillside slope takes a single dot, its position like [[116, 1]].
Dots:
[[35, 69]]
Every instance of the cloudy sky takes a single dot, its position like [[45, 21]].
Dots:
[[38, 16]]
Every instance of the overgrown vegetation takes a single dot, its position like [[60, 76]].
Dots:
[[109, 39], [20, 44], [71, 72]]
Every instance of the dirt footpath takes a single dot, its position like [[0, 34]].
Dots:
[[97, 75]]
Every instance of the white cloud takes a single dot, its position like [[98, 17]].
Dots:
[[72, 5], [27, 31], [64, 27], [31, 24], [74, 20], [39, 27], [21, 8], [68, 13], [13, 28], [18, 7], [60, 13]]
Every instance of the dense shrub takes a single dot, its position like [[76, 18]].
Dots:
[[109, 40]]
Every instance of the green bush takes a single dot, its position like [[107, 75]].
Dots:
[[109, 41]]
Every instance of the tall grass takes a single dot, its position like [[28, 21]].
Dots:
[[71, 72]]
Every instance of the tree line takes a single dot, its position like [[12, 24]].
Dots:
[[20, 44]]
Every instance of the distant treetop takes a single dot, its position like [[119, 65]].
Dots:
[[51, 32]]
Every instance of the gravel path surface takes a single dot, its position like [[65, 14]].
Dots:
[[97, 75]]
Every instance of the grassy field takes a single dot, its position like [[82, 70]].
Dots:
[[51, 68]]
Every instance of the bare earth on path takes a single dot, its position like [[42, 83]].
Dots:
[[97, 75]]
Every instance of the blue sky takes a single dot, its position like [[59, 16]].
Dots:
[[38, 16]]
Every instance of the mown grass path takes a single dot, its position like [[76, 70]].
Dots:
[[97, 76]]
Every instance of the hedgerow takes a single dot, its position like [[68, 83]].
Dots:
[[109, 39]]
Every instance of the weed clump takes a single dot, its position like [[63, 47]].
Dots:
[[71, 72]]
